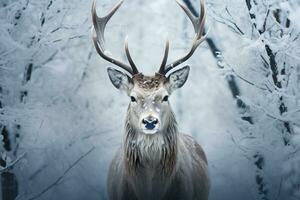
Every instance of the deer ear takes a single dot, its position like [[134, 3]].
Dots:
[[178, 78], [119, 79]]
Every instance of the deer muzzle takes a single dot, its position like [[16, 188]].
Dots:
[[150, 124]]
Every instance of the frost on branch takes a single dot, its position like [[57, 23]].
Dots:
[[56, 101]]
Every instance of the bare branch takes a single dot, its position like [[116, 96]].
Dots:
[[12, 164], [57, 181]]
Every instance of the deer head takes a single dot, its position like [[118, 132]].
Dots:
[[149, 108]]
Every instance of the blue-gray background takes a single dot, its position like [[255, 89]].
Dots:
[[61, 120]]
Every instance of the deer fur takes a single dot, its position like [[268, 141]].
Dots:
[[156, 161], [167, 165]]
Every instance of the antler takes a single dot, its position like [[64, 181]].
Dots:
[[98, 39], [198, 23]]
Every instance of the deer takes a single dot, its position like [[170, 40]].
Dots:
[[155, 160]]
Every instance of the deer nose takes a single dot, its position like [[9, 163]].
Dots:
[[150, 122]]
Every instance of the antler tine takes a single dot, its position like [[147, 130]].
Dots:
[[198, 24], [165, 58], [98, 38], [133, 66]]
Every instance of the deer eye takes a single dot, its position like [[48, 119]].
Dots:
[[132, 99], [166, 98]]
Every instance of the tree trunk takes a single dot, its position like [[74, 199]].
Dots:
[[9, 185]]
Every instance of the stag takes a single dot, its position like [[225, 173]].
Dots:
[[156, 161]]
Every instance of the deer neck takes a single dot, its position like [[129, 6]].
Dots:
[[157, 151]]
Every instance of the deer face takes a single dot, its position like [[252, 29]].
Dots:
[[149, 108]]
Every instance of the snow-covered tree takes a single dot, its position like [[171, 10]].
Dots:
[[61, 120]]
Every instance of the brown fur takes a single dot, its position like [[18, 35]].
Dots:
[[134, 159], [149, 82], [163, 165]]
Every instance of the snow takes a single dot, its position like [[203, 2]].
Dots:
[[72, 110]]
